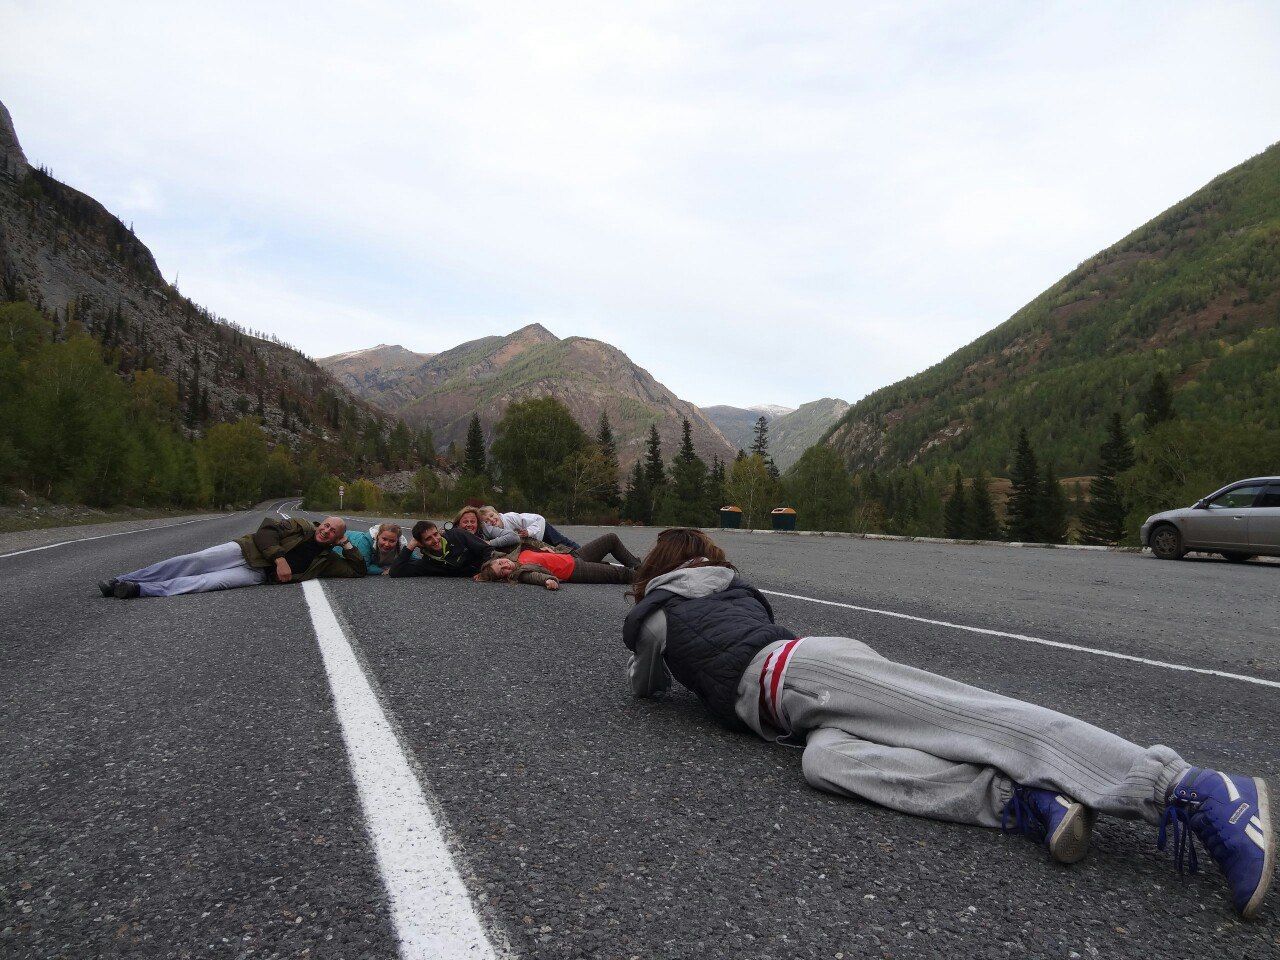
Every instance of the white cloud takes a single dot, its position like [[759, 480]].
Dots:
[[758, 203]]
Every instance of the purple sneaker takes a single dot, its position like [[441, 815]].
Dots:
[[1231, 816], [1060, 823]]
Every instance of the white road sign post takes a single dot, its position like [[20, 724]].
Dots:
[[341, 492]]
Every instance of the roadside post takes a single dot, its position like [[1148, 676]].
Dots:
[[784, 518], [730, 518], [341, 492]]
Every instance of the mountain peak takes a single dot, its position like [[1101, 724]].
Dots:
[[12, 159], [534, 332]]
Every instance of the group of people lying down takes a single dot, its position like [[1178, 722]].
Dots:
[[871, 728], [480, 543]]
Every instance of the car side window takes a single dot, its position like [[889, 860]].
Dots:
[[1270, 496], [1236, 498]]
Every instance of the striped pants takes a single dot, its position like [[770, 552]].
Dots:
[[926, 745]]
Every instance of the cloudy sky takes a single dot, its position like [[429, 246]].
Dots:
[[759, 202]]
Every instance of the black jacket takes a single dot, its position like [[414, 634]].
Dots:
[[464, 554], [711, 638]]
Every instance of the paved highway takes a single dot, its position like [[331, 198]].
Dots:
[[449, 768]]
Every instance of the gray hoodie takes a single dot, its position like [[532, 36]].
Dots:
[[646, 668]]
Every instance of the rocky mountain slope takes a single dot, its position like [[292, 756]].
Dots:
[[791, 432], [484, 376], [1194, 293], [66, 252]]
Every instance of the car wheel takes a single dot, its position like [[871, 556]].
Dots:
[[1236, 557], [1166, 542]]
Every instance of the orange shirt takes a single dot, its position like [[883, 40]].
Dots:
[[560, 564]]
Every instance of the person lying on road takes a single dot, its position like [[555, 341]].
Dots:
[[550, 568], [444, 553], [921, 743], [280, 551], [468, 519], [523, 524], [379, 547]]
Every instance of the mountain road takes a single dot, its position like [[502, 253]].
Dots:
[[428, 767]]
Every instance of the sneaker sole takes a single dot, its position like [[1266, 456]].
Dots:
[[1070, 842], [1269, 854]]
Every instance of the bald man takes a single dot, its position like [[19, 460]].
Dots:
[[280, 551]]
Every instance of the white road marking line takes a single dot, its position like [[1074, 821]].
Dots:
[[103, 536], [1183, 668], [432, 911]]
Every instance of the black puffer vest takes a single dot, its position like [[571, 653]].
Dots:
[[710, 640]]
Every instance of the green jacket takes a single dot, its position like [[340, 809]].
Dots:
[[276, 537]]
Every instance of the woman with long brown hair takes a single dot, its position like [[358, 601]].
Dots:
[[549, 568], [921, 743]]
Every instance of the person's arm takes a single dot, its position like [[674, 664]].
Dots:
[[503, 540], [534, 523], [269, 534], [646, 668], [538, 577]]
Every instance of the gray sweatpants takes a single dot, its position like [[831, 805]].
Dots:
[[926, 745], [218, 568]]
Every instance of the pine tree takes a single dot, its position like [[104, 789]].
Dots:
[[760, 445], [983, 524], [1157, 407], [1022, 524], [1103, 519], [685, 500], [956, 514], [637, 502], [1053, 508], [612, 496], [655, 473], [474, 462], [715, 487], [604, 437]]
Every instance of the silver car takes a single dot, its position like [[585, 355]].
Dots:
[[1240, 521]]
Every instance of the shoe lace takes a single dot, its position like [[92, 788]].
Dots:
[[1177, 820], [1025, 815]]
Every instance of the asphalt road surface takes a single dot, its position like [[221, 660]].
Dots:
[[177, 781]]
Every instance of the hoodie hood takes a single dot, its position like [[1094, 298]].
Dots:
[[693, 582]]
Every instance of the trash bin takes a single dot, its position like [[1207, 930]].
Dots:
[[784, 518], [730, 518]]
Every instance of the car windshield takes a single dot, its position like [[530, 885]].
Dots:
[[1236, 497]]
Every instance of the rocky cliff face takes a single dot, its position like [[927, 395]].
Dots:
[[64, 251], [485, 376]]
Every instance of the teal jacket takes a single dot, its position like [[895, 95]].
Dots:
[[364, 543]]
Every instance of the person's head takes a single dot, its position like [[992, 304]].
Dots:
[[427, 534], [490, 516], [331, 530], [468, 519], [388, 538], [499, 568], [677, 547]]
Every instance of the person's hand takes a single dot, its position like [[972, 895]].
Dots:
[[413, 544], [283, 572], [553, 584], [386, 572], [344, 543], [524, 531]]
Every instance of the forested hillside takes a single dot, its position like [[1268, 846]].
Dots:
[[1193, 295]]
